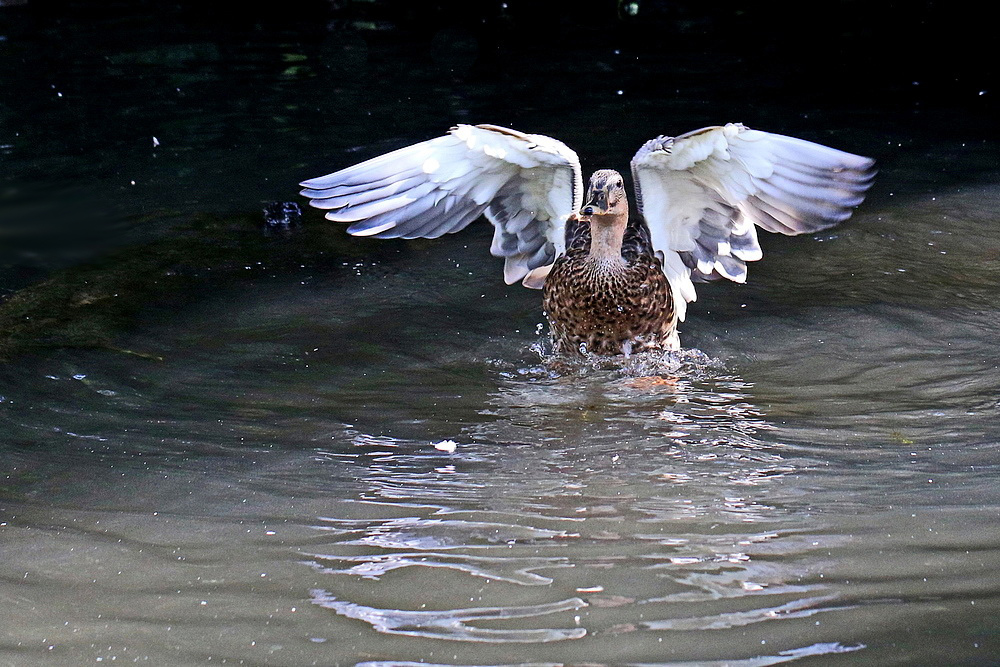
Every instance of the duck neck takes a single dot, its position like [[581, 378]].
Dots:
[[606, 234]]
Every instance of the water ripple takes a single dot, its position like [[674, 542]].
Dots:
[[373, 566], [409, 663], [418, 533], [825, 648], [795, 609], [813, 650], [453, 623]]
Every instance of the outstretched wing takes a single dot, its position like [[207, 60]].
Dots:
[[525, 184], [704, 193]]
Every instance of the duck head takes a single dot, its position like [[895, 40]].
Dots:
[[605, 195], [606, 209]]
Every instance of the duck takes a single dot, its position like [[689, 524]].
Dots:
[[613, 282]]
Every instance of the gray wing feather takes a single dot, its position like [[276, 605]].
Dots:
[[704, 193], [526, 185]]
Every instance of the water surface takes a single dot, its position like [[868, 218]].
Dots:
[[327, 451]]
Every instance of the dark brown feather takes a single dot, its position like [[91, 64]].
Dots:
[[600, 309]]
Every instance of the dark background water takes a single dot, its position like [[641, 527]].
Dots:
[[86, 87], [217, 441]]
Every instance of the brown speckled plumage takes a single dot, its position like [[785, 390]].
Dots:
[[605, 307]]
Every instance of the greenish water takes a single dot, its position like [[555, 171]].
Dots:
[[248, 461]]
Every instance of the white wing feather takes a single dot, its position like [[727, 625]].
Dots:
[[704, 193], [527, 185]]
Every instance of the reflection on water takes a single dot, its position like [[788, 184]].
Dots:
[[453, 624], [761, 661], [579, 513]]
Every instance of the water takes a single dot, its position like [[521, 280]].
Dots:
[[305, 449]]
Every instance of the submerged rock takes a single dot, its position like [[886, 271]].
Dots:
[[91, 305]]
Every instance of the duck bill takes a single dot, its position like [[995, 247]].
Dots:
[[597, 203]]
